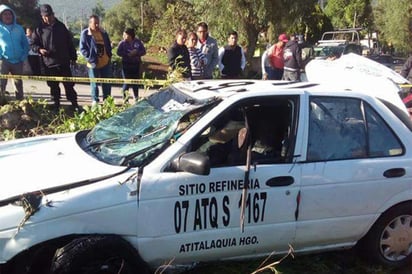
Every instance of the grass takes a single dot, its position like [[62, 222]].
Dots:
[[339, 262]]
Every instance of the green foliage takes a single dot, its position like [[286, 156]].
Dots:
[[88, 118], [99, 9], [26, 11], [32, 116], [137, 14], [180, 15], [36, 118], [348, 13], [393, 18]]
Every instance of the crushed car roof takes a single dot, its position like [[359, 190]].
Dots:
[[372, 85]]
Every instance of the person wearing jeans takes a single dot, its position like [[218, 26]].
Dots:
[[104, 72], [96, 47], [131, 49], [14, 49]]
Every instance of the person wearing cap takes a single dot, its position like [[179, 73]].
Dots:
[[52, 40], [96, 47], [131, 49], [292, 56], [14, 49], [272, 60]]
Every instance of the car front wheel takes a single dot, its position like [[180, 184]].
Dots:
[[97, 254], [389, 242]]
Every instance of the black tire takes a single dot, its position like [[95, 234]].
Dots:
[[389, 242], [103, 254]]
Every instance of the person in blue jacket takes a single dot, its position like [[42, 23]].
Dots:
[[96, 47], [14, 50], [131, 49]]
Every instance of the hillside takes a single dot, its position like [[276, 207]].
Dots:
[[73, 9]]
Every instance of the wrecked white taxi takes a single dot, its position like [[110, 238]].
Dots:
[[212, 170]]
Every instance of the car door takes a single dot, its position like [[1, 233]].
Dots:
[[353, 157], [201, 215]]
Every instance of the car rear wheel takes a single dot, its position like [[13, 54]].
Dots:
[[103, 254], [389, 242]]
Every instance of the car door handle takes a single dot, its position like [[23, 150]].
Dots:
[[394, 172], [280, 181]]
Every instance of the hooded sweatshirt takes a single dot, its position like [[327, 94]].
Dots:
[[13, 42], [292, 56]]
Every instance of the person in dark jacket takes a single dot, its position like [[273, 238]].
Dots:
[[96, 47], [178, 55], [131, 49], [232, 59], [292, 56], [406, 70], [54, 43]]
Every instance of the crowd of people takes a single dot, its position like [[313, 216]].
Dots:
[[196, 55], [48, 50]]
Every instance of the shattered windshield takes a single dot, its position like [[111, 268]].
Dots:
[[132, 136]]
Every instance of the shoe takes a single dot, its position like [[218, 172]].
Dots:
[[94, 104], [75, 104], [75, 107]]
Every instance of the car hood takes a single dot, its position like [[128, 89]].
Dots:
[[39, 163]]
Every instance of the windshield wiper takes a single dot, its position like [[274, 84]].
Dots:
[[126, 159], [137, 137], [102, 142]]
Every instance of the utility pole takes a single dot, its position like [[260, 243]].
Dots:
[[141, 16], [81, 20]]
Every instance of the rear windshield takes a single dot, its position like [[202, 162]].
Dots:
[[399, 113]]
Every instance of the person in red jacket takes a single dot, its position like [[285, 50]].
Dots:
[[272, 60], [406, 72]]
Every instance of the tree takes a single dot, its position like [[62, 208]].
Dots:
[[99, 9], [307, 18], [348, 13], [178, 15], [259, 20], [27, 11], [394, 23], [138, 14]]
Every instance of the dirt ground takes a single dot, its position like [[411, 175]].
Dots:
[[152, 67]]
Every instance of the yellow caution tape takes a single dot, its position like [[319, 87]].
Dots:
[[85, 79], [147, 82]]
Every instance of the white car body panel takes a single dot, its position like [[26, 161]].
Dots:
[[47, 156], [355, 72]]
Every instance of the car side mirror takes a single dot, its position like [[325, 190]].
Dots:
[[193, 162]]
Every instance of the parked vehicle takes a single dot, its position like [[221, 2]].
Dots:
[[211, 170], [334, 44], [386, 60]]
